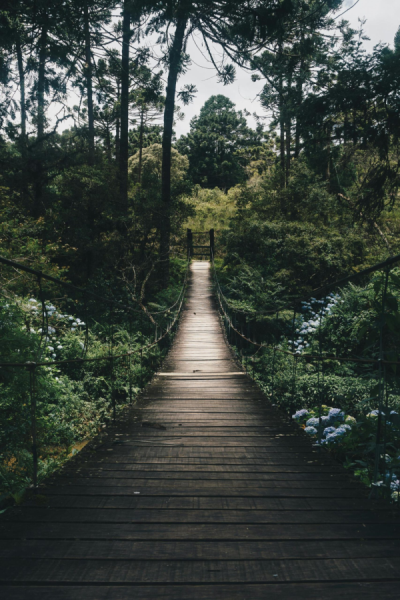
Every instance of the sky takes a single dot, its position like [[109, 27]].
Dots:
[[383, 20]]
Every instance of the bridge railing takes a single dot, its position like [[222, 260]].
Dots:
[[200, 250], [264, 341], [132, 338]]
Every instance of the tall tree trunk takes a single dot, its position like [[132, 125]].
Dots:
[[288, 145], [117, 125], [108, 142], [345, 128], [174, 61], [282, 142], [141, 142], [40, 120], [23, 139], [41, 82], [124, 147], [21, 75], [355, 137], [299, 96], [89, 83], [288, 127], [328, 152], [282, 131]]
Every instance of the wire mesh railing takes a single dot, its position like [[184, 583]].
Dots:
[[341, 347], [45, 345]]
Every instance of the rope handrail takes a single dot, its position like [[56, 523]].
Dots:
[[294, 354], [84, 291], [305, 355], [33, 364], [318, 291]]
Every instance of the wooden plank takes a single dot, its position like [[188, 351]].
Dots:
[[72, 515], [274, 591], [192, 469], [214, 503], [215, 531], [129, 478], [214, 550], [199, 572], [183, 485]]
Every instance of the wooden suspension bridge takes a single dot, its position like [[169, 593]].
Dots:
[[204, 490]]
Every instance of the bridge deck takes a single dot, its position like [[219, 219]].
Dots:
[[204, 491]]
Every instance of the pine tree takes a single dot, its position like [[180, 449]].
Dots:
[[216, 144]]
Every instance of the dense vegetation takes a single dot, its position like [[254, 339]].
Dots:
[[308, 196]]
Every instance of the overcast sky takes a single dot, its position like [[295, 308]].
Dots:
[[383, 20]]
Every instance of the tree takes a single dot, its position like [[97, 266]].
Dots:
[[108, 92], [397, 41], [47, 27], [89, 81], [151, 159], [239, 28], [217, 143], [147, 103], [290, 65], [124, 144], [151, 134], [147, 192], [352, 119], [89, 21]]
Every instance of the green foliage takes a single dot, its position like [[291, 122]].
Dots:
[[296, 256], [152, 166], [213, 209], [219, 144], [151, 134], [353, 441], [145, 171]]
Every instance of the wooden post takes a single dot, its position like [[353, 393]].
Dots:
[[211, 244], [189, 243]]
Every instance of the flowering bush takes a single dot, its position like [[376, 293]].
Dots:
[[73, 400], [312, 318], [353, 441], [300, 413], [333, 417]]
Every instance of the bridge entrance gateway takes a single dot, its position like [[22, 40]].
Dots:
[[203, 490]]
